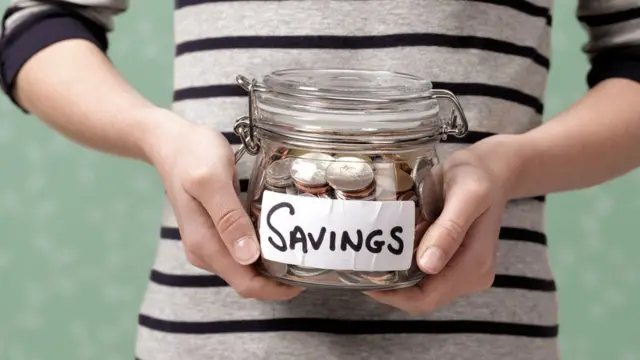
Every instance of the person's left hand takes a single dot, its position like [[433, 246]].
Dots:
[[458, 251]]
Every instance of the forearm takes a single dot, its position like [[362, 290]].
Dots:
[[73, 87], [594, 141]]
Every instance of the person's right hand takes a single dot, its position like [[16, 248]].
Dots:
[[197, 168]]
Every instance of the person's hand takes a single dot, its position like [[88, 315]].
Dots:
[[197, 168], [458, 251]]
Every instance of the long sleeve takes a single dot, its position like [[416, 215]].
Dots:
[[613, 48], [29, 26]]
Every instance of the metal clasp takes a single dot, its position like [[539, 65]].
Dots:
[[244, 125], [456, 124]]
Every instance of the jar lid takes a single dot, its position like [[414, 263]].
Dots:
[[339, 84]]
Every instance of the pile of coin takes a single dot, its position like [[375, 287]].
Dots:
[[386, 177]]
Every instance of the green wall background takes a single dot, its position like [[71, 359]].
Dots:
[[70, 286]]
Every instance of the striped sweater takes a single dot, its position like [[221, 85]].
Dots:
[[493, 54]]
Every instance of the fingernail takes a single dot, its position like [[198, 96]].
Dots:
[[432, 260], [246, 250]]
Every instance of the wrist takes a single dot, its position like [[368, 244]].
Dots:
[[505, 156], [161, 127]]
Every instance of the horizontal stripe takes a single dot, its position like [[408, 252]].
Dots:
[[595, 20], [349, 327], [486, 19], [441, 65], [517, 258], [186, 280], [198, 281], [459, 89], [158, 345], [506, 233], [519, 5], [195, 304], [362, 42]]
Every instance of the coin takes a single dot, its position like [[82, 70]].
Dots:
[[367, 193], [311, 189], [309, 169], [349, 277], [321, 160], [349, 174], [279, 173], [380, 277], [365, 158], [404, 182], [301, 271]]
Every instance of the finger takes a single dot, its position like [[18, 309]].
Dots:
[[204, 249], [464, 202], [231, 221], [473, 271]]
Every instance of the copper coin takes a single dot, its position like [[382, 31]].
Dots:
[[380, 277], [404, 182], [312, 190]]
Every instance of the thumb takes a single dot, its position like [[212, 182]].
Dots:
[[462, 206], [231, 221]]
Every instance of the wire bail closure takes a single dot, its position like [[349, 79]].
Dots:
[[456, 124]]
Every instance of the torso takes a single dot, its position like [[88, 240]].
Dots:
[[494, 58]]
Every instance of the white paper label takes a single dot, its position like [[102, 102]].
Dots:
[[337, 234]]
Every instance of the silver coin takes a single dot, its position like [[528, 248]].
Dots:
[[310, 169], [279, 173], [301, 271], [349, 174], [275, 268]]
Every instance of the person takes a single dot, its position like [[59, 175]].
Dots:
[[495, 299]]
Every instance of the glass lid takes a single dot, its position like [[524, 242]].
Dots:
[[342, 84]]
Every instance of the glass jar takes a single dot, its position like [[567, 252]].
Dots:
[[343, 187]]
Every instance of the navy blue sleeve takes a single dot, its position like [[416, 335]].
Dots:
[[36, 33], [619, 63]]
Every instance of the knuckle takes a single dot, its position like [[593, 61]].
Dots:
[[198, 178], [479, 190], [229, 220]]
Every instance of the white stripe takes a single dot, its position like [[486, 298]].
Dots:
[[339, 17], [154, 345], [431, 63]]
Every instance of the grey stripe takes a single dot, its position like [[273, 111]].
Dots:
[[454, 65], [514, 258], [155, 345], [169, 304], [339, 17]]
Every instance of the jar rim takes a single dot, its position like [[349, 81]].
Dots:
[[361, 85]]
